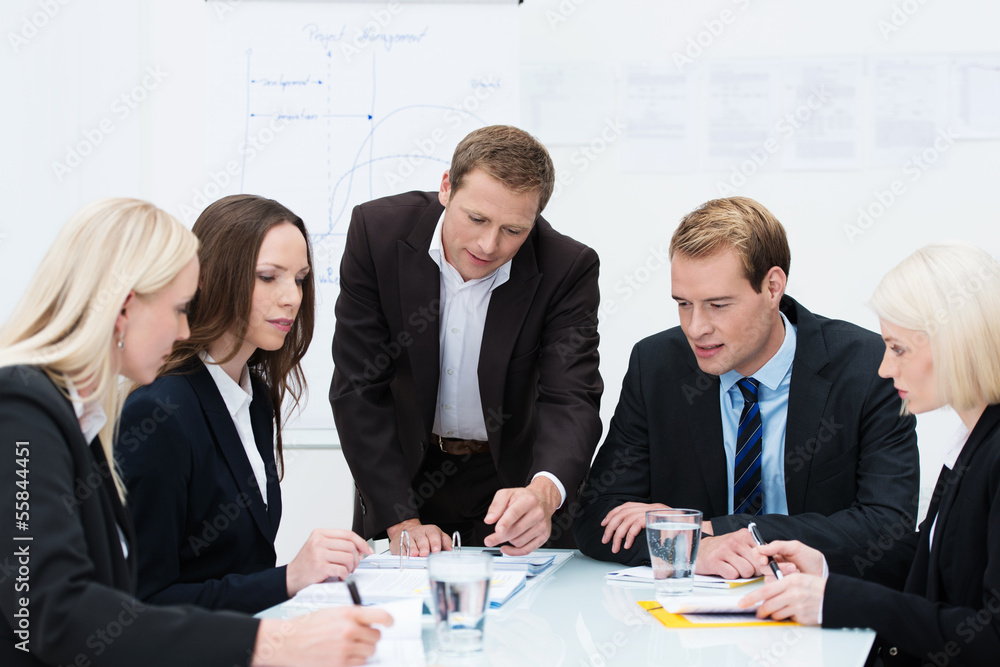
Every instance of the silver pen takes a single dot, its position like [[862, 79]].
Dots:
[[755, 534]]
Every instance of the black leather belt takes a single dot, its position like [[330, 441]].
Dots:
[[457, 447]]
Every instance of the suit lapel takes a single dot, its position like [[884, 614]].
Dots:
[[705, 426], [509, 304], [807, 397], [986, 424], [262, 423], [128, 567], [227, 440], [420, 307]]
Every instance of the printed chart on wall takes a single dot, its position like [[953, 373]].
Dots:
[[323, 106]]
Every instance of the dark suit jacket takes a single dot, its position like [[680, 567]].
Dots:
[[851, 464], [204, 534], [79, 587], [949, 610], [538, 376]]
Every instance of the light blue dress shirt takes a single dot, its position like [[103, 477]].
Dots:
[[774, 377]]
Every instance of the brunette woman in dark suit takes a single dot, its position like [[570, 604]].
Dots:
[[197, 446]]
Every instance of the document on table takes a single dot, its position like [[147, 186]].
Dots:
[[644, 575], [531, 565], [380, 585], [401, 644]]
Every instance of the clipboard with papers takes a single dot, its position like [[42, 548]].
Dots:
[[531, 565]]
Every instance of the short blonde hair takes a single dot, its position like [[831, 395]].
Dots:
[[65, 321], [951, 293], [738, 223]]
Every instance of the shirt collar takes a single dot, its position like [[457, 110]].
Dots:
[[233, 395], [955, 445], [773, 372], [451, 274], [89, 414]]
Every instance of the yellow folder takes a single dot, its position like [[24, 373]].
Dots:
[[679, 621]]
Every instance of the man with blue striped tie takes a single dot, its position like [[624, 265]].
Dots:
[[753, 409]]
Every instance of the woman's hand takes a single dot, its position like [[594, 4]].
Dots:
[[331, 638], [327, 553], [797, 596]]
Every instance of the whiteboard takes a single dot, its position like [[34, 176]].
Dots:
[[588, 57], [326, 106]]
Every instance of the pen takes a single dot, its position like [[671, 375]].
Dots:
[[755, 534], [353, 588]]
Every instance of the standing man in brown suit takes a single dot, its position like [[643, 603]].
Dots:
[[466, 389]]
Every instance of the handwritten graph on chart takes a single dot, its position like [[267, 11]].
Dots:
[[326, 106]]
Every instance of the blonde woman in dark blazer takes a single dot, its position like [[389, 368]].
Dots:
[[939, 311]]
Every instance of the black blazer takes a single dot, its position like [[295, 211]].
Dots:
[[79, 588], [851, 463], [204, 535], [949, 610], [538, 376]]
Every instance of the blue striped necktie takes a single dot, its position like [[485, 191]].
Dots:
[[748, 496]]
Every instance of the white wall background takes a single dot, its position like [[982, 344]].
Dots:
[[65, 65]]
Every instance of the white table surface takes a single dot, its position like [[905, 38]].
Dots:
[[573, 617]]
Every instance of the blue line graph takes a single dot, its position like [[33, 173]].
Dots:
[[341, 186]]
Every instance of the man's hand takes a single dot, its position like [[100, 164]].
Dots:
[[523, 516], [730, 556], [423, 538], [327, 553], [625, 522]]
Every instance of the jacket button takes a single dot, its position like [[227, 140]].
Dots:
[[893, 651]]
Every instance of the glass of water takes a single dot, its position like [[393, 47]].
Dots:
[[673, 536], [460, 587]]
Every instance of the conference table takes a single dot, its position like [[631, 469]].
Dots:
[[572, 616]]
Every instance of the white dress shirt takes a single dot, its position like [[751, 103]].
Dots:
[[464, 304], [237, 398]]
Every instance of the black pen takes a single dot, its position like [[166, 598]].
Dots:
[[755, 534], [353, 588]]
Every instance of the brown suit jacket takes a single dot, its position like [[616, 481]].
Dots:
[[538, 375]]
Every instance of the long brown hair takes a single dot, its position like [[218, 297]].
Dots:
[[231, 231]]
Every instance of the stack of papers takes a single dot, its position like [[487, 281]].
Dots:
[[530, 565], [644, 575]]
